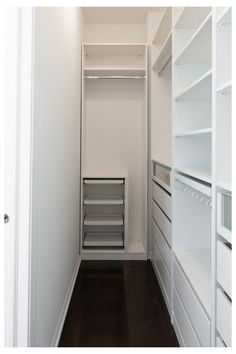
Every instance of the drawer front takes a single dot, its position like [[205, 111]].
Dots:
[[224, 267], [219, 342], [162, 221], [162, 198], [193, 307], [163, 272], [223, 317], [224, 215], [162, 244], [183, 323]]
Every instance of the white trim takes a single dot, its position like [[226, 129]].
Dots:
[[24, 176], [62, 317]]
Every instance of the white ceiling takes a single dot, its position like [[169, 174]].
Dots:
[[117, 15]]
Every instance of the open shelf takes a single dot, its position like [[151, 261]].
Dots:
[[191, 17], [93, 239], [103, 181], [114, 72], [198, 90], [226, 185], [200, 172], [197, 266], [225, 88], [194, 133], [164, 55], [198, 48], [225, 16], [114, 49], [103, 200], [164, 26], [103, 220]]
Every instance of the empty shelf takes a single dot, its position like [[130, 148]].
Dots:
[[198, 90], [224, 185], [200, 172], [103, 220], [192, 17], [164, 55], [194, 133], [198, 48], [225, 16], [103, 181], [103, 72], [164, 26], [225, 88], [93, 239], [197, 267], [103, 200]]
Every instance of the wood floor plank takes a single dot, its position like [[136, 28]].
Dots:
[[117, 304]]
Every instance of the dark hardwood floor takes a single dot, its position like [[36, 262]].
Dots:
[[117, 304]]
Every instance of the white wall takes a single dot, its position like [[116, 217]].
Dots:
[[56, 159]]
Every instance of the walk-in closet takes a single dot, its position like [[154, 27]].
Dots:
[[131, 196]]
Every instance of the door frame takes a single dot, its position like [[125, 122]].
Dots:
[[19, 189]]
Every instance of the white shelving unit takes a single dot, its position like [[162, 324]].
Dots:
[[104, 213], [114, 108], [192, 161]]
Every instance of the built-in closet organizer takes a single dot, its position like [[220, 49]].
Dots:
[[192, 175], [114, 151], [201, 179]]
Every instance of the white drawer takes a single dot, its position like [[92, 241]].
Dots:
[[163, 273], [223, 317], [219, 342], [224, 267], [224, 215], [162, 244], [162, 198], [183, 324], [193, 307], [162, 221]]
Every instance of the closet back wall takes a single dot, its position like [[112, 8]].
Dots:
[[115, 140]]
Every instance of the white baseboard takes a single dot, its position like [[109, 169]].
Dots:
[[61, 320]]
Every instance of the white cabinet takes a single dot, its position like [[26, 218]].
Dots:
[[104, 214]]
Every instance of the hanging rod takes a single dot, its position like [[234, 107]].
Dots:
[[164, 65], [114, 77], [202, 198]]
